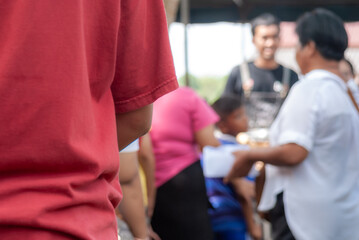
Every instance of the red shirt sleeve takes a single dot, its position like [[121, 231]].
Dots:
[[144, 65]]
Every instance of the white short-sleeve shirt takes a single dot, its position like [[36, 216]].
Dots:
[[355, 89], [132, 147], [321, 195]]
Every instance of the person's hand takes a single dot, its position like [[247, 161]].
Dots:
[[152, 234], [241, 166], [256, 232]]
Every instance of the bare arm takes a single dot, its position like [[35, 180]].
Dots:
[[205, 137], [289, 154], [131, 206], [147, 161], [132, 125]]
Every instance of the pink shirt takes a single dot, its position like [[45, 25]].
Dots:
[[176, 117]]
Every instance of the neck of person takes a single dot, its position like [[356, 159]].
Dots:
[[263, 63], [325, 64]]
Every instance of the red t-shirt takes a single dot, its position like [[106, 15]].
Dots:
[[66, 66]]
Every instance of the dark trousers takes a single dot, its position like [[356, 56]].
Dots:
[[181, 207], [280, 228]]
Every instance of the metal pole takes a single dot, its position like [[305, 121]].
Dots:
[[185, 20]]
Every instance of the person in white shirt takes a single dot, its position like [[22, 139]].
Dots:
[[314, 141]]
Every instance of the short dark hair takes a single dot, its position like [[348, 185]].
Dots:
[[226, 105], [326, 30], [265, 19]]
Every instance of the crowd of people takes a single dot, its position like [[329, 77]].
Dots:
[[309, 181], [92, 89]]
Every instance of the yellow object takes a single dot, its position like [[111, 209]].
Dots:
[[143, 184]]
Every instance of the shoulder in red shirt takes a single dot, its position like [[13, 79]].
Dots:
[[66, 67]]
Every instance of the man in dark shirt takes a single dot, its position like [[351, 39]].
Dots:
[[264, 74]]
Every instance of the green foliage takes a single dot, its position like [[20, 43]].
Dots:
[[210, 88]]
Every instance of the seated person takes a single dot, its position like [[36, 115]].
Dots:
[[232, 212]]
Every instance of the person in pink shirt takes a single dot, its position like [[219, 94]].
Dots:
[[182, 124]]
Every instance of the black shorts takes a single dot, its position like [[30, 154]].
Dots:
[[181, 209]]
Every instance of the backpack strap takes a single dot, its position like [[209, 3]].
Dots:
[[246, 78], [285, 81], [352, 98]]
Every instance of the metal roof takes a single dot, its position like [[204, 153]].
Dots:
[[206, 11]]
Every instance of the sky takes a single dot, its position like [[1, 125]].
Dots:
[[214, 49]]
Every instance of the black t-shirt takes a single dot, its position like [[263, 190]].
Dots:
[[264, 79]]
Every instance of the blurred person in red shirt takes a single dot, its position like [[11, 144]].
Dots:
[[77, 80]]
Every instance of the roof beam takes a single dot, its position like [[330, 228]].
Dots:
[[307, 3]]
